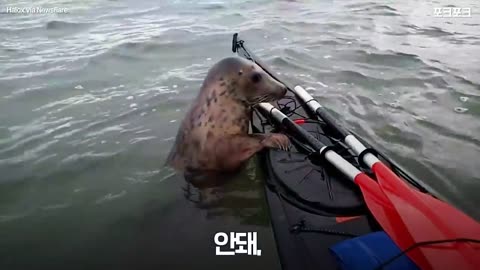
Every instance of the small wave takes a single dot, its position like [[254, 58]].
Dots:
[[361, 5], [136, 180], [142, 176], [374, 9], [6, 218], [435, 32], [33, 127], [166, 45], [141, 139], [393, 59], [449, 132], [133, 13], [168, 139], [319, 44], [432, 31], [213, 6], [55, 206], [110, 196], [400, 137], [79, 100], [114, 128], [53, 25], [305, 26], [77, 190], [168, 38], [349, 74], [25, 90], [88, 155], [143, 131], [367, 81], [44, 158], [29, 75], [291, 63], [67, 134], [372, 6], [62, 25], [464, 80], [168, 176], [28, 154], [102, 126]]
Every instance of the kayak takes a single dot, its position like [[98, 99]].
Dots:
[[336, 202]]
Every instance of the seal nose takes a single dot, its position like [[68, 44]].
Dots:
[[284, 91]]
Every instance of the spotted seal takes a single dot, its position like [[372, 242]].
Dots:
[[214, 135]]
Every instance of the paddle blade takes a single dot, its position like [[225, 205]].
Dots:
[[427, 218], [387, 216]]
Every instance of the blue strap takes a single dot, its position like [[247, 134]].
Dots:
[[368, 252]]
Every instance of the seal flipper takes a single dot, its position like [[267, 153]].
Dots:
[[171, 157], [276, 140], [176, 152], [237, 149]]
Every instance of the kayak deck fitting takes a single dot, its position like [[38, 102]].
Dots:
[[313, 205]]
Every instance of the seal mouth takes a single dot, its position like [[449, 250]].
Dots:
[[264, 98]]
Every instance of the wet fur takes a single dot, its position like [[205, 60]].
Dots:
[[214, 133]]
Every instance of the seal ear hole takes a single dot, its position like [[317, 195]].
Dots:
[[256, 77]]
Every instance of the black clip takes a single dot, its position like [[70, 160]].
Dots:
[[235, 42], [363, 153], [286, 109], [297, 228]]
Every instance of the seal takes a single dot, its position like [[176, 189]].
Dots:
[[214, 135]]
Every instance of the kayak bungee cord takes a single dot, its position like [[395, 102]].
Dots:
[[301, 227], [425, 243]]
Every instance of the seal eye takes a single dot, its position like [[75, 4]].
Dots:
[[256, 77]]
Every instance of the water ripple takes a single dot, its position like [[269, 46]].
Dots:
[[27, 155], [88, 155], [110, 196]]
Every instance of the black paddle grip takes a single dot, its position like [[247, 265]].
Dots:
[[332, 122], [302, 133]]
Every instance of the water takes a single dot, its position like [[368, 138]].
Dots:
[[90, 102]]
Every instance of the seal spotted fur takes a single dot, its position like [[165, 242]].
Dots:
[[214, 133]]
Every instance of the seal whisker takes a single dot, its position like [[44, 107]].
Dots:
[[260, 99]]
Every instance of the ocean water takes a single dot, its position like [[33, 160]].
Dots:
[[90, 101]]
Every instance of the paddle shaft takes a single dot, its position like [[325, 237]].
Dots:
[[352, 141]]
